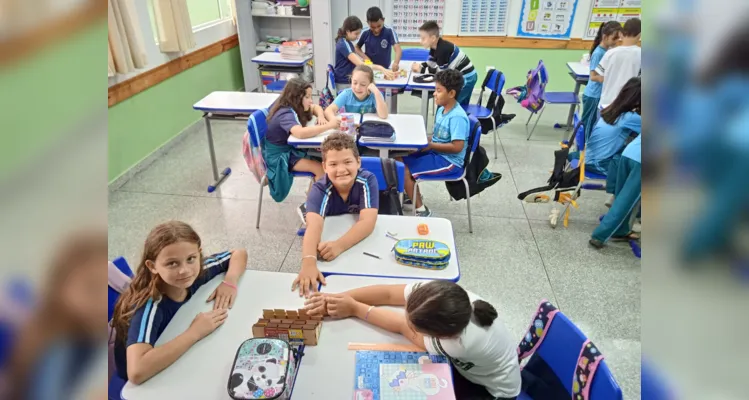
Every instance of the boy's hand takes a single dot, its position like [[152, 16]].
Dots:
[[415, 67], [395, 67], [330, 250], [316, 304], [334, 123], [389, 75], [307, 278]]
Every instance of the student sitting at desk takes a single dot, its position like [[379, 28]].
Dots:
[[444, 319], [446, 150], [288, 116], [345, 189], [362, 97], [171, 270], [378, 40], [345, 52]]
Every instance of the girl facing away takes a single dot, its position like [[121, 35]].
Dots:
[[170, 272], [443, 319], [362, 97], [608, 35], [290, 116], [346, 58], [619, 121]]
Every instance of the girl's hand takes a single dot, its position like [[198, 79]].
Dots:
[[207, 322], [307, 280], [223, 295], [340, 305], [415, 67], [389, 75], [316, 305], [372, 88], [321, 120], [334, 123]]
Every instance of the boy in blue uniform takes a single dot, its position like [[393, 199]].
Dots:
[[447, 149], [378, 41], [345, 189]]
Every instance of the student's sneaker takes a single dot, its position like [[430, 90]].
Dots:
[[302, 211], [596, 243], [426, 213], [407, 203]]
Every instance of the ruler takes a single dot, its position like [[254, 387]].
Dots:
[[385, 347]]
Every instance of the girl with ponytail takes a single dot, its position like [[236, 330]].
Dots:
[[444, 319], [606, 38], [346, 57], [171, 270]]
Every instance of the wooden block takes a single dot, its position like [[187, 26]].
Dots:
[[276, 321], [316, 317], [263, 321], [300, 322], [303, 314], [258, 331], [292, 314], [288, 321], [284, 326], [279, 313], [267, 314]]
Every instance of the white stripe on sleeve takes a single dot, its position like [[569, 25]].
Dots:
[[150, 321]]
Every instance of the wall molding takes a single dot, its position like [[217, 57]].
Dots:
[[124, 90]]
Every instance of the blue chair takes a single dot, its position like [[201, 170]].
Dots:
[[374, 165], [580, 141], [331, 81], [560, 350], [415, 54], [257, 127], [112, 294], [569, 98], [458, 175], [495, 85]]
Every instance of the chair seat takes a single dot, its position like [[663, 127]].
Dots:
[[452, 176], [477, 111], [561, 98], [588, 174], [276, 86]]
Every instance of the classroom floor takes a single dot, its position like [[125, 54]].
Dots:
[[513, 258]]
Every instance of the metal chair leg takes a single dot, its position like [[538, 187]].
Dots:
[[494, 132], [529, 119], [260, 203], [536, 123], [416, 195], [468, 203]]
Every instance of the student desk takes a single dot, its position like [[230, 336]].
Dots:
[[203, 371], [273, 62], [355, 262], [425, 89], [231, 106], [410, 135], [392, 87], [327, 370], [580, 73]]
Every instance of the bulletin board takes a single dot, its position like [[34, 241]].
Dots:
[[409, 15], [610, 10], [547, 19], [484, 17]]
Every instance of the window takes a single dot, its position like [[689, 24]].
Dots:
[[202, 13]]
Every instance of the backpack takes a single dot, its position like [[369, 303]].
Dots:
[[531, 95], [327, 95], [390, 201], [495, 104], [474, 171], [251, 149], [264, 368]]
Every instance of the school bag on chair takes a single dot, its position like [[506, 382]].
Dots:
[[477, 174], [328, 93], [264, 368], [251, 150], [531, 95], [390, 201]]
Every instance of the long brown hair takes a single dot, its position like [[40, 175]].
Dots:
[[146, 284], [292, 96]]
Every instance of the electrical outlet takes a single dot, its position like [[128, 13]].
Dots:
[[489, 67]]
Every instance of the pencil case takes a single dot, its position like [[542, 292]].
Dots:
[[422, 253]]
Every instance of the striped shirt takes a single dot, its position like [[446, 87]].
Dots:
[[150, 320], [447, 56], [323, 199]]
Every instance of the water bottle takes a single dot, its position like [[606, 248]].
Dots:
[[344, 123]]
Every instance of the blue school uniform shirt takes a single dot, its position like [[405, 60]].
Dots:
[[607, 140], [449, 127], [280, 124], [634, 150], [378, 48], [150, 320], [323, 199], [347, 100], [343, 66], [593, 89]]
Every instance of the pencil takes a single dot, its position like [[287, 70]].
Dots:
[[372, 255]]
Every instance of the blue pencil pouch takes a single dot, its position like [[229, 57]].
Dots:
[[422, 253]]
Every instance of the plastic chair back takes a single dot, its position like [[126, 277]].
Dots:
[[474, 138], [580, 138], [560, 350], [113, 295], [257, 124], [415, 54], [543, 73], [374, 165], [496, 80], [331, 80]]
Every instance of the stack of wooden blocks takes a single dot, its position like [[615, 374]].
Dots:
[[294, 326]]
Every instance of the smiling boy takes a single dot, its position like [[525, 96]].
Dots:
[[378, 40], [345, 189]]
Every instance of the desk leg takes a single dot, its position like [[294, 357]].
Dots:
[[217, 179], [389, 99], [424, 103], [384, 153]]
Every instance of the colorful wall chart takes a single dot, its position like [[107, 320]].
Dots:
[[547, 19], [611, 10], [483, 18], [409, 15]]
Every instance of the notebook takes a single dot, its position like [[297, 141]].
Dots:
[[388, 375]]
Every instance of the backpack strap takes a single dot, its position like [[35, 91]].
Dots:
[[537, 330], [587, 364], [390, 171]]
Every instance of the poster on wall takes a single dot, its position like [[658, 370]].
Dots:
[[611, 10], [483, 18], [409, 15], [547, 19]]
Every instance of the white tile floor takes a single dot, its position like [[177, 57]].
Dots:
[[513, 258]]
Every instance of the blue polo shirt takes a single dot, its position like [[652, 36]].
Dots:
[[323, 199], [280, 124], [449, 127], [593, 88], [150, 320], [378, 48], [343, 66]]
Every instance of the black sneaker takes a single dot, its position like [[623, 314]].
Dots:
[[596, 243], [426, 213], [302, 212]]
